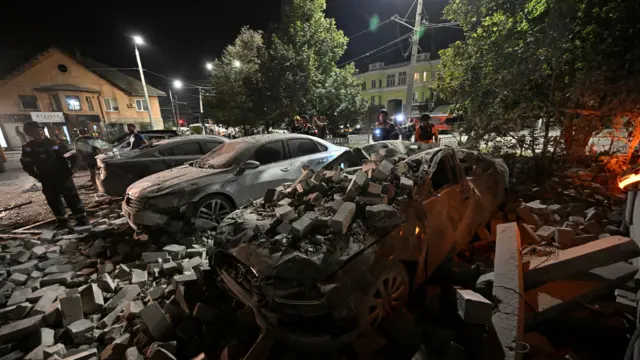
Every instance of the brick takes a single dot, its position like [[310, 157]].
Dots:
[[79, 329], [132, 308], [383, 170], [577, 220], [527, 216], [473, 308], [84, 355], [26, 268], [156, 321], [529, 235], [356, 184], [117, 349], [71, 309], [127, 293], [563, 237], [151, 257], [18, 329], [21, 256], [54, 269], [342, 219], [46, 300], [537, 208], [92, 299], [139, 277], [57, 349], [374, 189], [546, 233], [372, 200], [18, 279], [336, 204], [58, 278], [285, 213], [105, 283], [176, 252], [19, 296], [303, 226], [284, 228], [156, 293], [383, 216], [122, 272], [406, 184]]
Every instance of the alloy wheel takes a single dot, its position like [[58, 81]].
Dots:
[[390, 293], [214, 210]]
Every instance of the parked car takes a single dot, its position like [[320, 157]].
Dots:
[[324, 289], [232, 175], [119, 170], [121, 143]]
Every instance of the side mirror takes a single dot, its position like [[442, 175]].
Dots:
[[248, 165]]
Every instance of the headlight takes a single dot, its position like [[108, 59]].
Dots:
[[164, 201], [377, 131]]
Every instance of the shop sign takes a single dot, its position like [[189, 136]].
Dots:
[[48, 117]]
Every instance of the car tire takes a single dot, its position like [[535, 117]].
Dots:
[[213, 208], [377, 304]]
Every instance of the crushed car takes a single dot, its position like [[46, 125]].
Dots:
[[201, 193], [331, 255]]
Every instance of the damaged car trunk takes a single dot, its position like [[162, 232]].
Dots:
[[332, 255]]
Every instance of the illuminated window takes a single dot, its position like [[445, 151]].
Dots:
[[73, 102], [424, 77], [416, 77]]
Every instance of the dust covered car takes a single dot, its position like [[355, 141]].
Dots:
[[334, 253]]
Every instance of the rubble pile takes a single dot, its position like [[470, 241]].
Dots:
[[103, 295]]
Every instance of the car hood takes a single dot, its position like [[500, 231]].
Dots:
[[183, 177], [111, 155]]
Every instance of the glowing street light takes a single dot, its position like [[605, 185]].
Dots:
[[236, 63], [138, 40], [177, 84], [209, 66]]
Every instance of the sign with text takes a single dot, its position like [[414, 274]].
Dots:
[[48, 117], [359, 140]]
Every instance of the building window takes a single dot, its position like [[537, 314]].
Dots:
[[89, 103], [402, 78], [373, 84], [391, 80], [416, 97], [379, 99], [55, 102], [380, 83], [141, 105], [424, 76], [111, 104], [73, 103], [416, 77], [372, 101], [364, 85], [29, 102]]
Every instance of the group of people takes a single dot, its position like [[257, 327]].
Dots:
[[52, 163], [317, 127], [425, 131]]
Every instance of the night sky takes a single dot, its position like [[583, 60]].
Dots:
[[182, 35]]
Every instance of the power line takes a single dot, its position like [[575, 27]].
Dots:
[[375, 50], [370, 29]]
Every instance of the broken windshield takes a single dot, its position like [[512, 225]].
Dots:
[[224, 156]]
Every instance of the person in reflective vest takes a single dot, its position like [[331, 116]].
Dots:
[[426, 132]]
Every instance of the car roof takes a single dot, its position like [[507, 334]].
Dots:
[[188, 138], [256, 139]]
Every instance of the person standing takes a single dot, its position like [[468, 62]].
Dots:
[[48, 161], [136, 140], [86, 149], [320, 123], [426, 132], [387, 128], [297, 128]]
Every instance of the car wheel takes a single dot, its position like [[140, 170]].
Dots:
[[389, 292], [213, 208]]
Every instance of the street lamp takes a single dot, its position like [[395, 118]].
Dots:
[[137, 40], [177, 84], [236, 63], [209, 66]]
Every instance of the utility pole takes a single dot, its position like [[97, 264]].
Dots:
[[144, 84], [414, 57], [201, 111], [173, 110], [177, 110]]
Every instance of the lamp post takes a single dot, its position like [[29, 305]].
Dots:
[[177, 84], [137, 40]]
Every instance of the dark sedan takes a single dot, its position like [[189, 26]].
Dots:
[[118, 171]]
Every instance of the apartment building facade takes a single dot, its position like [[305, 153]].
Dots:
[[66, 93]]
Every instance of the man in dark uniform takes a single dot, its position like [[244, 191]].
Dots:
[[47, 161]]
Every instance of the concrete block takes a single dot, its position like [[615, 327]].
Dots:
[[527, 216], [139, 277], [18, 329], [19, 296], [156, 321], [92, 299], [151, 257], [284, 228], [46, 300], [546, 233], [18, 279], [58, 278], [357, 182], [342, 219], [563, 237], [58, 349], [176, 252], [285, 213], [127, 293], [537, 208], [583, 239], [302, 226], [473, 308], [383, 170], [54, 269], [79, 329], [71, 309], [156, 293]]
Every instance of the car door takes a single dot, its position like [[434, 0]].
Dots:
[[305, 151], [181, 153], [274, 170]]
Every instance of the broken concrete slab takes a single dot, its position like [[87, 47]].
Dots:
[[105, 283], [19, 296], [127, 293], [58, 278], [508, 289], [598, 253], [46, 300], [71, 309], [92, 299], [79, 329], [20, 328]]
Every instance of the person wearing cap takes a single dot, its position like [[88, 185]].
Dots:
[[48, 161], [387, 128], [426, 131]]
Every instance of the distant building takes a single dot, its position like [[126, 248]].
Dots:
[[385, 86], [67, 92]]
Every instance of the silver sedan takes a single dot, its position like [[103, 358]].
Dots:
[[203, 192]]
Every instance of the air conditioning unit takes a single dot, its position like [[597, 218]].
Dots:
[[130, 106], [423, 57], [376, 66]]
